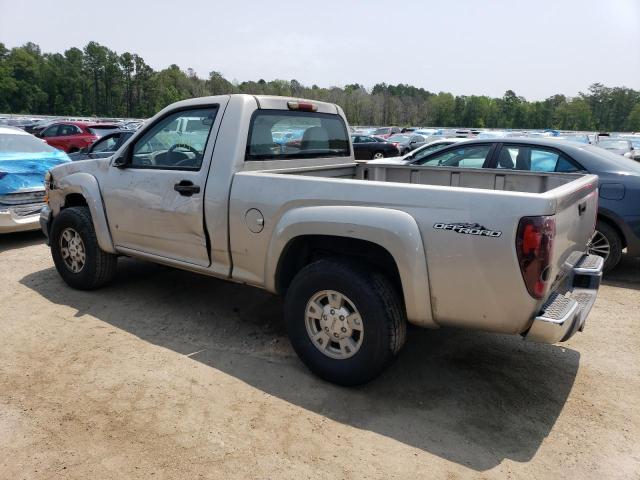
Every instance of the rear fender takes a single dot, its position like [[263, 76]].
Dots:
[[393, 230]]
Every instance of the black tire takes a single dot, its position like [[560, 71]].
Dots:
[[615, 245], [380, 309], [377, 155], [99, 267]]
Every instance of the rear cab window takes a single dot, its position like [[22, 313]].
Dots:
[[284, 135]]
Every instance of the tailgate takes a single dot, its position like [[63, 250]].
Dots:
[[575, 216]]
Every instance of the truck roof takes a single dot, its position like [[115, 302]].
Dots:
[[263, 102]]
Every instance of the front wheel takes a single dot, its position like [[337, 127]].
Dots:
[[606, 243], [345, 321], [76, 253]]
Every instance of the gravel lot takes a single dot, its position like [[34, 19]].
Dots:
[[167, 374]]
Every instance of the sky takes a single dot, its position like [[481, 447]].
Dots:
[[466, 47]]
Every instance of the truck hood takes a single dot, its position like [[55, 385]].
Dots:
[[20, 171], [81, 166]]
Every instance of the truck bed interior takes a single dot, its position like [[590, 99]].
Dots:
[[487, 179]]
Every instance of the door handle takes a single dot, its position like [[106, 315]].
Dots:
[[186, 188]]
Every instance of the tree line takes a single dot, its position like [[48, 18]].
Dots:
[[97, 81]]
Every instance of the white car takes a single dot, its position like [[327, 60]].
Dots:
[[418, 153]]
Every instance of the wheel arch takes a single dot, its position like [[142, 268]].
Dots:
[[82, 189], [611, 221], [388, 239]]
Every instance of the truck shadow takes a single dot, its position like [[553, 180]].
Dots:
[[469, 397], [625, 275], [10, 241]]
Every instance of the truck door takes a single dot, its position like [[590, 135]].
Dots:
[[154, 203]]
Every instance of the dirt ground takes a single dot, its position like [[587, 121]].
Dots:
[[166, 374]]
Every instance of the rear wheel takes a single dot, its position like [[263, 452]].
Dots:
[[76, 254], [378, 155], [345, 321], [606, 243]]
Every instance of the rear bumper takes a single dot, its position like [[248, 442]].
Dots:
[[566, 310], [10, 222]]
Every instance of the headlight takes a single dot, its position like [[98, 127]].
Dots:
[[627, 154]]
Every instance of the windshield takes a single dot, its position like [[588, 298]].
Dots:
[[19, 143], [381, 131], [424, 151], [99, 130], [613, 144]]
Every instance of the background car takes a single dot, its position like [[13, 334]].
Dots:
[[366, 147], [385, 132], [420, 152], [577, 138], [74, 136], [24, 160], [618, 224], [407, 142], [620, 146], [103, 147]]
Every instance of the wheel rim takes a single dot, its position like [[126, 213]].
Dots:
[[334, 324], [378, 155], [599, 245], [72, 250]]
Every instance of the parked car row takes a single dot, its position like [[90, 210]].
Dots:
[[618, 220]]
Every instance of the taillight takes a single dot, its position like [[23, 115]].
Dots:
[[534, 245]]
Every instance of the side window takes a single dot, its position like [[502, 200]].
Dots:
[[565, 165], [167, 145], [368, 140], [310, 135], [66, 130], [520, 157], [358, 139], [472, 156], [52, 131]]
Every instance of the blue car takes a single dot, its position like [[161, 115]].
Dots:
[[24, 160], [618, 225]]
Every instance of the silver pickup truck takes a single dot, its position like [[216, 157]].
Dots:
[[355, 250]]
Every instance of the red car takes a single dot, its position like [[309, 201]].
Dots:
[[385, 132], [74, 136]]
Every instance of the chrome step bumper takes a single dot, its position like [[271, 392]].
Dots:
[[563, 314]]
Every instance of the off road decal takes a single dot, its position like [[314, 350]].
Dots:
[[468, 229]]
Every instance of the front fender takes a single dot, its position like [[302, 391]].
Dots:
[[86, 185], [393, 230]]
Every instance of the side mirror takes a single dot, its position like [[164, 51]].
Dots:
[[124, 160]]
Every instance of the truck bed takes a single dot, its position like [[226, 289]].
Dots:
[[472, 282]]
